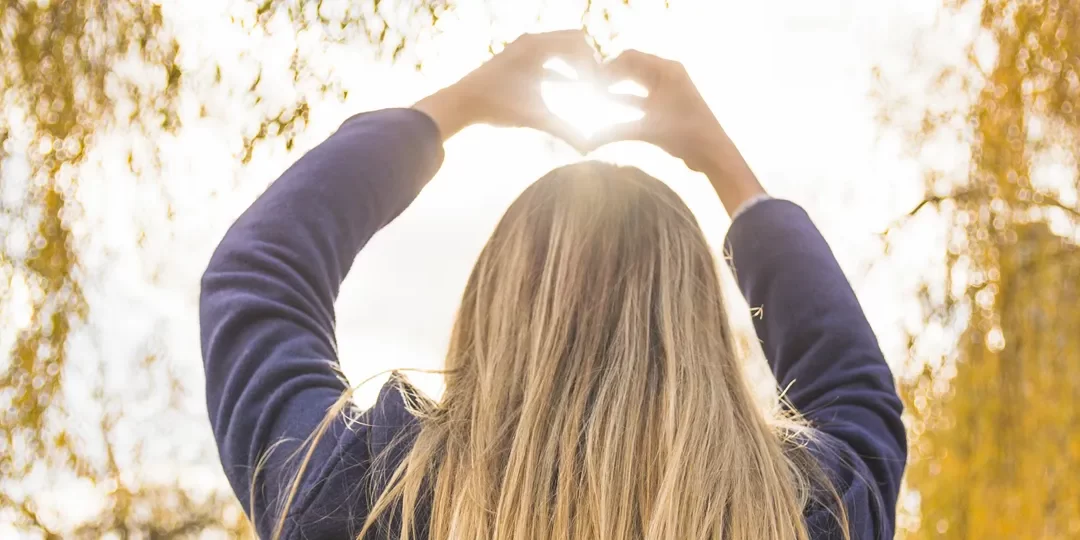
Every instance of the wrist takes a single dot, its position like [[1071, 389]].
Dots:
[[452, 109], [706, 142], [731, 177]]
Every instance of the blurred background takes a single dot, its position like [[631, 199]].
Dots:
[[935, 143]]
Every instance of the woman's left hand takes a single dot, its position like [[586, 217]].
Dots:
[[505, 90]]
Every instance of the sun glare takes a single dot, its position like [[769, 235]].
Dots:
[[584, 104]]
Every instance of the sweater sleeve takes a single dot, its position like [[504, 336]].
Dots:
[[822, 350], [266, 308]]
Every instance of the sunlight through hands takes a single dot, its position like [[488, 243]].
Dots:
[[583, 103]]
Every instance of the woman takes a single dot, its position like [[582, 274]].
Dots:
[[592, 388]]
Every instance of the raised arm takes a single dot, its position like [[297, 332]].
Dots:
[[820, 346], [267, 302], [813, 331]]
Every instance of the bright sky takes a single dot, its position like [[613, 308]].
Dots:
[[788, 79]]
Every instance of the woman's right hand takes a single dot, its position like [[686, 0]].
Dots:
[[678, 120]]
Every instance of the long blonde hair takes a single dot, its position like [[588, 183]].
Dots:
[[592, 389]]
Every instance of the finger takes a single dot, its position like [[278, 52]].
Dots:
[[551, 74], [627, 87], [635, 65], [576, 50], [560, 70], [572, 46], [633, 61], [626, 99], [568, 34]]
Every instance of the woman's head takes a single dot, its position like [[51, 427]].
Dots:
[[594, 275], [592, 390]]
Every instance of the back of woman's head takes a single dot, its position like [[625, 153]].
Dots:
[[592, 390]]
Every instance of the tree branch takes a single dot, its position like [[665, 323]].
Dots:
[[931, 200], [1053, 201]]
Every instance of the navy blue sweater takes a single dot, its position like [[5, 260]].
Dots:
[[270, 353]]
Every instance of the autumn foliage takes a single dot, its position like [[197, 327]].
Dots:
[[995, 421]]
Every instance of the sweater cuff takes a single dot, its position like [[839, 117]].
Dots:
[[771, 229], [748, 204]]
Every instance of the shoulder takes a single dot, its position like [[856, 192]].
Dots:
[[334, 496], [391, 424], [854, 484]]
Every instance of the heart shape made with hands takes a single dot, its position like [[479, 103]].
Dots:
[[583, 103]]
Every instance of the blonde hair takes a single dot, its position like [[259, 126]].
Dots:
[[592, 389]]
